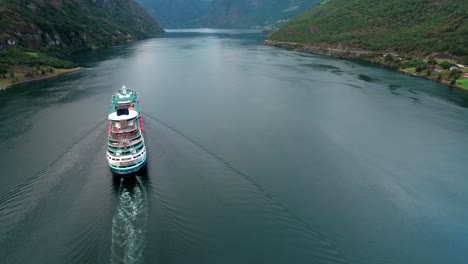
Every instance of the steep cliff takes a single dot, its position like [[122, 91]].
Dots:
[[70, 25], [33, 33]]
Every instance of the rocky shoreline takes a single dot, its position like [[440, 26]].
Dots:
[[337, 51]]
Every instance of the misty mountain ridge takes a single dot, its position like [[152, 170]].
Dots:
[[224, 13]]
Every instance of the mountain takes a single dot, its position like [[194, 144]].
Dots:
[[252, 13], [224, 13], [416, 27], [177, 13], [34, 32], [70, 25]]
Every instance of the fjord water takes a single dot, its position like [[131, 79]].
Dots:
[[256, 155]]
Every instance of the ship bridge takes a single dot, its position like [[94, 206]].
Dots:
[[120, 116]]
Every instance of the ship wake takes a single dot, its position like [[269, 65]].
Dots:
[[129, 223]]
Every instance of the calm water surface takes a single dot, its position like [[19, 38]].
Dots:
[[256, 155]]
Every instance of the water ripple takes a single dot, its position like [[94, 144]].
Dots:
[[26, 202], [129, 223], [271, 210]]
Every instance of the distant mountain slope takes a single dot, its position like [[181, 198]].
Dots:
[[224, 13], [177, 13], [69, 25], [251, 13], [408, 26]]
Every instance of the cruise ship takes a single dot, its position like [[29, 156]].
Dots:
[[126, 152]]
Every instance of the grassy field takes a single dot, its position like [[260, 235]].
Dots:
[[26, 74], [14, 58], [463, 83], [409, 70]]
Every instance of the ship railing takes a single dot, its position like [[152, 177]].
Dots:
[[129, 143], [127, 130], [125, 148], [116, 136]]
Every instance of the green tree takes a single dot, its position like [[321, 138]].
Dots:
[[432, 61], [445, 65], [419, 68], [455, 73], [388, 58]]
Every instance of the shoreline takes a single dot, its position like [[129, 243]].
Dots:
[[349, 54], [41, 78]]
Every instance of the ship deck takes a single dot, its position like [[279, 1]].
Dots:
[[130, 97]]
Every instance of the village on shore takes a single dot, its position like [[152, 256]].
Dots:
[[441, 68]]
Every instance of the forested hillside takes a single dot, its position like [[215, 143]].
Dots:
[[33, 33], [72, 25], [409, 26]]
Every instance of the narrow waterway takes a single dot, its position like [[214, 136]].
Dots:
[[256, 155]]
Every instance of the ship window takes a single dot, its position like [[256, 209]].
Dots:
[[122, 112]]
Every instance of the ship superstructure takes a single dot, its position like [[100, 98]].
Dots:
[[126, 152]]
